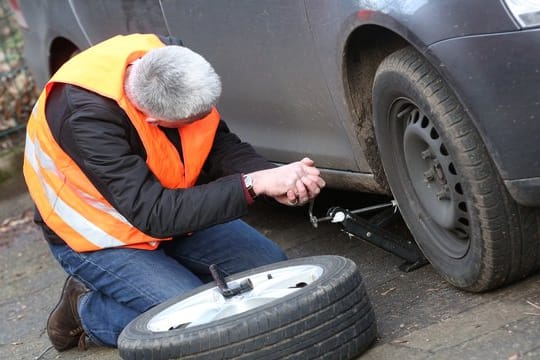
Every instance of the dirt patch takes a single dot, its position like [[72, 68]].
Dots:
[[11, 179], [11, 227]]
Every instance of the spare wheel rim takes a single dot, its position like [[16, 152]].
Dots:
[[209, 305]]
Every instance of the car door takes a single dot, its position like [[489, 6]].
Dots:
[[101, 19], [274, 94]]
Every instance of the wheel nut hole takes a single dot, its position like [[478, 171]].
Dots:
[[424, 123], [460, 233], [443, 150], [415, 116], [300, 285], [434, 134], [462, 206], [452, 169], [464, 221], [458, 188]]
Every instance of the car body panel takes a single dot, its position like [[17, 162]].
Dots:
[[283, 68], [273, 97], [119, 17], [41, 34], [500, 89]]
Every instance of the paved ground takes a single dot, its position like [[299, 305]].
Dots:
[[419, 315]]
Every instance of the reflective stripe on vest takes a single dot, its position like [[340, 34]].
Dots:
[[67, 201]]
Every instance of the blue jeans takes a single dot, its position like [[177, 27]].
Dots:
[[126, 282]]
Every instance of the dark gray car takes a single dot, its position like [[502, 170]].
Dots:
[[436, 102]]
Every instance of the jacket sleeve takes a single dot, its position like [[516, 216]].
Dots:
[[98, 137], [229, 155]]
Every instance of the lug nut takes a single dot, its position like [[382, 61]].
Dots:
[[427, 154], [429, 175], [444, 193]]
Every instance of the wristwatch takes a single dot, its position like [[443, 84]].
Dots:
[[248, 181]]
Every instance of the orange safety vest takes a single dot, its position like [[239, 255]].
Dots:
[[67, 201]]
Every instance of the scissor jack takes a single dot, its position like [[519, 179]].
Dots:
[[372, 231]]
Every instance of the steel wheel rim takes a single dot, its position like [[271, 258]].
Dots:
[[209, 305], [433, 176]]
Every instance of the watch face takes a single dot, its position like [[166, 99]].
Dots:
[[248, 181]]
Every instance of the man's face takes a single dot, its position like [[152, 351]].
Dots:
[[177, 123]]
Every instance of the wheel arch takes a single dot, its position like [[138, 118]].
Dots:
[[365, 48], [60, 51]]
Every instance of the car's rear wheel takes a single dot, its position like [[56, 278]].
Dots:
[[448, 190]]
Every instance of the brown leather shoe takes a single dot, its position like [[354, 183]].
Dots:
[[64, 324]]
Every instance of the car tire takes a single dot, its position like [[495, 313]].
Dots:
[[324, 313], [447, 187]]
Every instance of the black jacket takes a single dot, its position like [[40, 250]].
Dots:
[[97, 134]]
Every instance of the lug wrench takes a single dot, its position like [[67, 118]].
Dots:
[[224, 288]]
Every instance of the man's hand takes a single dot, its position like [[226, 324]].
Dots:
[[292, 184]]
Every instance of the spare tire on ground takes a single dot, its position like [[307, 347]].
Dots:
[[315, 307]]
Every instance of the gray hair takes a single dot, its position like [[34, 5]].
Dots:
[[172, 83]]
